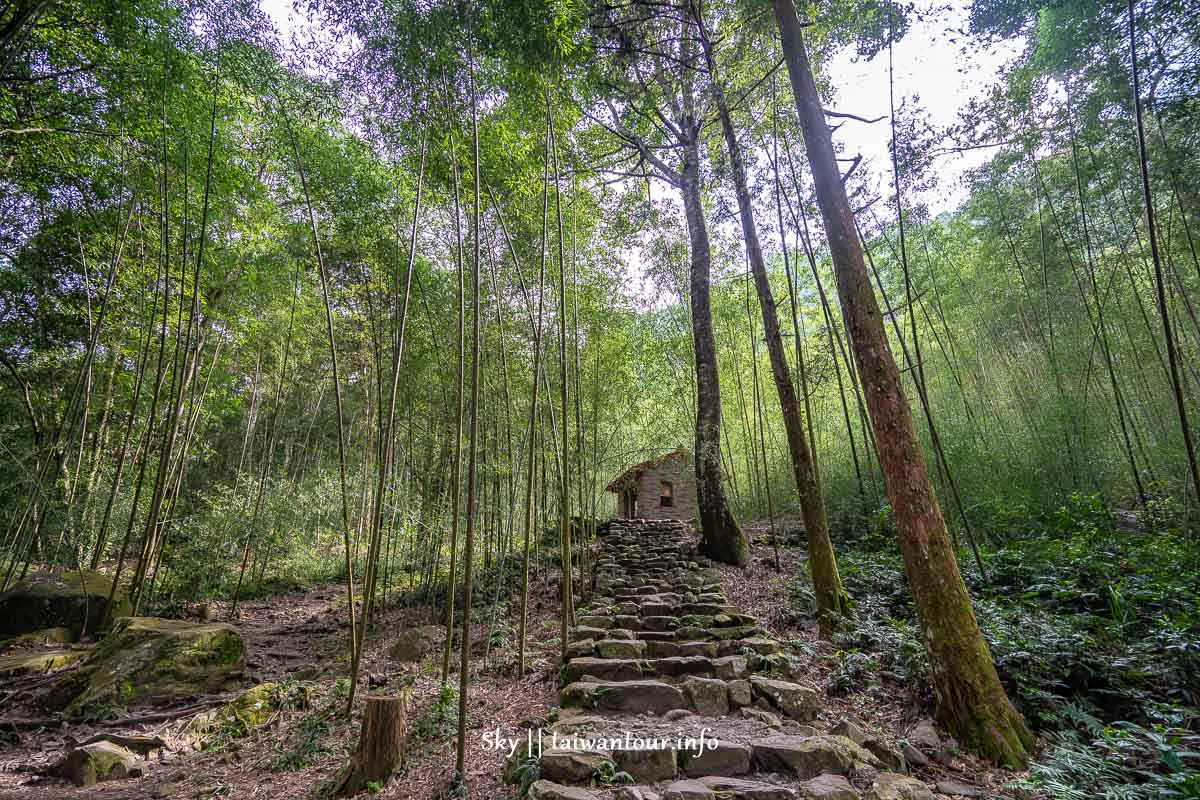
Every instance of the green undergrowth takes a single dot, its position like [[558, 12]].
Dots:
[[440, 719], [307, 739], [1094, 628]]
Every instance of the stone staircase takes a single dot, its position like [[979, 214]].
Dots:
[[670, 694]]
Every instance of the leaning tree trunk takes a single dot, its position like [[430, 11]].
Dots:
[[971, 701], [822, 562]]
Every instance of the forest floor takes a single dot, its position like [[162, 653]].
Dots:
[[304, 633], [767, 594]]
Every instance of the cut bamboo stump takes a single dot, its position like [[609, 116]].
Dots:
[[380, 746]]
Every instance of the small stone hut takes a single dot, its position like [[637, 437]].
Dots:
[[661, 488]]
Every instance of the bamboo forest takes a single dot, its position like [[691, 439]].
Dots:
[[600, 399]]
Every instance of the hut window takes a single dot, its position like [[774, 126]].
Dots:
[[666, 494]]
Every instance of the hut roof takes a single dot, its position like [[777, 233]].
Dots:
[[631, 475]]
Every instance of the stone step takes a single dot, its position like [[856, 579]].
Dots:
[[810, 756], [741, 789], [638, 696], [659, 652], [628, 669]]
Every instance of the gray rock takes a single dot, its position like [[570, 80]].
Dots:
[[925, 737], [607, 669], [666, 650], [653, 696], [912, 756], [766, 717], [708, 696], [892, 759], [636, 793], [689, 790], [144, 658], [99, 761], [727, 759], [572, 766], [651, 765], [586, 632], [828, 787], [798, 702], [890, 786], [707, 649], [76, 600], [548, 790], [850, 729], [580, 648], [809, 756], [730, 668], [739, 693], [762, 645], [956, 789], [741, 789]]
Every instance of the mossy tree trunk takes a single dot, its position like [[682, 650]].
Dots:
[[721, 537], [822, 562], [970, 700]]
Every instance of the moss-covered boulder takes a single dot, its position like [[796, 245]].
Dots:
[[99, 761], [145, 658], [40, 637], [33, 662], [414, 644], [251, 709], [72, 600]]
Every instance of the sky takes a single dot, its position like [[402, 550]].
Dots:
[[942, 73]]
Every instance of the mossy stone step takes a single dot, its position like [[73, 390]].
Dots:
[[741, 789], [810, 756], [572, 766], [726, 759], [620, 648], [666, 649], [549, 790], [635, 696], [798, 702], [581, 632], [624, 669], [659, 623]]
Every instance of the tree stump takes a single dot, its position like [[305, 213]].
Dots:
[[381, 745]]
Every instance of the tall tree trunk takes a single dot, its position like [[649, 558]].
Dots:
[[564, 471], [530, 529], [464, 667], [456, 476], [337, 397], [822, 562], [721, 537], [1159, 284], [971, 701]]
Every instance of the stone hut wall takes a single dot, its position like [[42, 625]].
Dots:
[[679, 473]]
